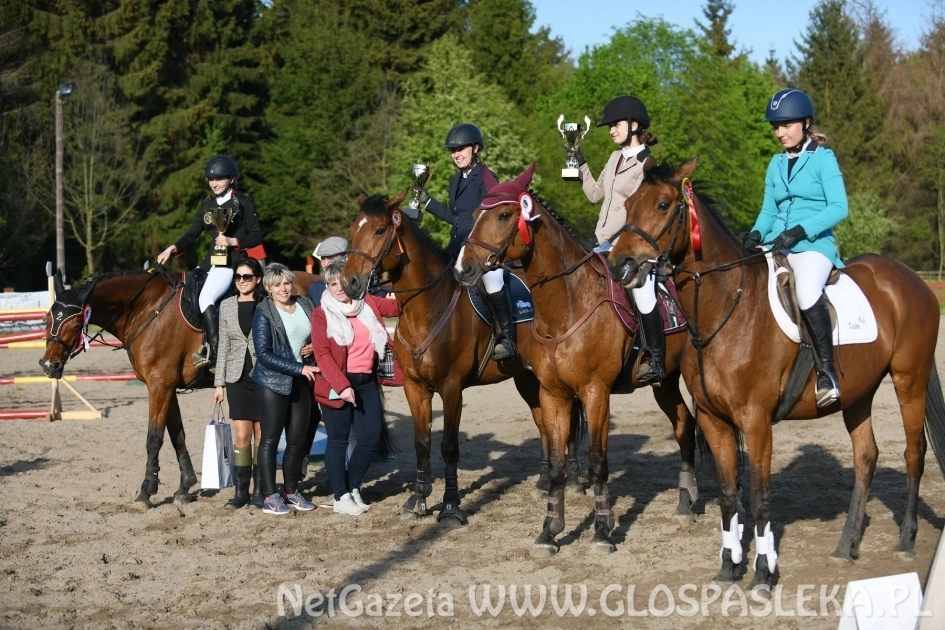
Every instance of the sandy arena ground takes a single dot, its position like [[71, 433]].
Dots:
[[76, 552]]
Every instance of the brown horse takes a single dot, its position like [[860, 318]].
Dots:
[[737, 361], [440, 342], [577, 349], [140, 309]]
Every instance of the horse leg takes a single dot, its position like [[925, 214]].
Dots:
[[420, 399], [556, 418], [451, 515], [573, 485], [859, 423], [913, 407], [670, 400], [598, 414], [527, 386], [720, 435], [158, 402], [758, 438], [175, 428]]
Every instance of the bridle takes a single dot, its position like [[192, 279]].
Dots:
[[61, 315]]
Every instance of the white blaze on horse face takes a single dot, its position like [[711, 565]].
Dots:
[[361, 223], [458, 266]]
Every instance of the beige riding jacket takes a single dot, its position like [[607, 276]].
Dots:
[[613, 187]]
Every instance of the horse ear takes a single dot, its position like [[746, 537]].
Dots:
[[489, 179], [397, 200], [84, 296], [362, 197], [687, 169], [57, 283]]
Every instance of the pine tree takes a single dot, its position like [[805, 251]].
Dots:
[[716, 32]]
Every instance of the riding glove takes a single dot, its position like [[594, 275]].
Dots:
[[579, 157], [590, 243], [789, 238], [422, 195], [750, 240]]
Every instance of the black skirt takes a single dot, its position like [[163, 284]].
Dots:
[[242, 395]]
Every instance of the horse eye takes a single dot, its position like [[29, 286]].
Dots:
[[663, 206], [379, 231], [504, 215]]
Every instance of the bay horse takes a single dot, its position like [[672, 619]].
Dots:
[[139, 308], [736, 362], [576, 348], [441, 343]]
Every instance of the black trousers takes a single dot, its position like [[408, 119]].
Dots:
[[292, 413], [366, 419]]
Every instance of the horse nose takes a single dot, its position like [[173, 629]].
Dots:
[[466, 274], [624, 269], [352, 287], [52, 369]]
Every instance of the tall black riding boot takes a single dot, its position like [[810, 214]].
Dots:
[[651, 326], [207, 355], [818, 323], [505, 317], [241, 498], [257, 499]]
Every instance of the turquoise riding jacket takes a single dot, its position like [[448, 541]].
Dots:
[[813, 197]]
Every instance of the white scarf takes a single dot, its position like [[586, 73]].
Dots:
[[341, 330]]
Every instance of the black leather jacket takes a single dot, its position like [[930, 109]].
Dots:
[[275, 367]]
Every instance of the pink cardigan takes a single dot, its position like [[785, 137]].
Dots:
[[332, 358]]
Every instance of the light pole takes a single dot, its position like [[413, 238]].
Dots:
[[65, 89]]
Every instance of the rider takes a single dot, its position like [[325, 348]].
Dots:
[[804, 200], [242, 233], [628, 121], [468, 187]]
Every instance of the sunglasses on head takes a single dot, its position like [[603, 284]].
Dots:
[[244, 277]]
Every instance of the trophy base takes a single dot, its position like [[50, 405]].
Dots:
[[571, 174], [219, 261]]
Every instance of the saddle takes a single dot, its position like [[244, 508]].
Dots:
[[188, 304], [667, 301], [521, 300]]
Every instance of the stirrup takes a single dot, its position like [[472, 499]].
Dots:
[[648, 376], [202, 357], [503, 350], [828, 396]]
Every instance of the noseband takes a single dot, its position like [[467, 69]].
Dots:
[[672, 226], [396, 220]]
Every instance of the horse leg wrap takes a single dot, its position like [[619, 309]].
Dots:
[[420, 490], [764, 545], [556, 512], [603, 510], [687, 481], [732, 539]]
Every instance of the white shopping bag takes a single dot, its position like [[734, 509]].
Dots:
[[217, 453]]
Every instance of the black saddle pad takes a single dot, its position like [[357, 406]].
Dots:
[[189, 295], [521, 300]]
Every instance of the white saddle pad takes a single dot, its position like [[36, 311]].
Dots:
[[855, 320]]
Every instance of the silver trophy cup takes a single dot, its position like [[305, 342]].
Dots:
[[572, 133], [419, 174]]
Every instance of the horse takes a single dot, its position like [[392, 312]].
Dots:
[[577, 351], [139, 308], [736, 360], [440, 342]]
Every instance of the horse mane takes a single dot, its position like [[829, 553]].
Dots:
[[560, 218], [169, 277], [376, 206], [701, 188]]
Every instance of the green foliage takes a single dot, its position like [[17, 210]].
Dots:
[[866, 227], [445, 92], [716, 33]]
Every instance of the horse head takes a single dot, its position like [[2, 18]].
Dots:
[[375, 243], [659, 225], [65, 325], [502, 230]]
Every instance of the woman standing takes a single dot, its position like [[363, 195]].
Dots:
[[347, 337], [468, 187], [804, 200], [242, 233], [281, 328], [234, 365], [628, 121]]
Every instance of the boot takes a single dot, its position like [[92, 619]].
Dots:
[[241, 498], [207, 355], [257, 499], [504, 313], [651, 326], [818, 323]]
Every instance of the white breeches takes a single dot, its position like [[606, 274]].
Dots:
[[811, 270], [494, 280], [218, 281], [645, 297]]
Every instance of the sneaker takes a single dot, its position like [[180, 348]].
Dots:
[[356, 495], [274, 504], [346, 505], [299, 502], [329, 503]]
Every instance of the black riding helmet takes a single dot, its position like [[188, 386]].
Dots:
[[625, 108], [221, 166], [462, 135]]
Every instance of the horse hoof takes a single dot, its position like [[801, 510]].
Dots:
[[409, 515], [908, 556], [574, 490], [143, 501], [183, 499], [686, 519], [762, 591], [539, 495], [603, 547], [544, 550], [842, 561], [450, 521]]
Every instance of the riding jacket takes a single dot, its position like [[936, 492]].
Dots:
[[613, 186], [812, 196], [244, 228], [276, 367], [466, 193], [232, 345]]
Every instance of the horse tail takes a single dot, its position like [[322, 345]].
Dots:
[[388, 447], [935, 417], [579, 423]]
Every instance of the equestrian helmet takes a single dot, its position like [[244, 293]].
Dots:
[[625, 108], [789, 104], [221, 166], [463, 135]]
